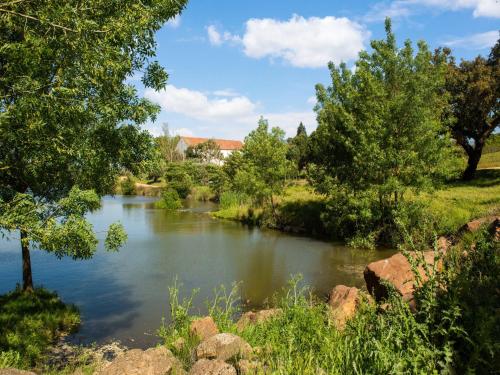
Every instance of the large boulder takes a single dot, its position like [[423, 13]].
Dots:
[[212, 367], [203, 328], [344, 302], [396, 271], [252, 318], [223, 346], [13, 371], [154, 361]]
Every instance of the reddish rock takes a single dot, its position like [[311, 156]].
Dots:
[[154, 361], [344, 302], [258, 317], [475, 225], [397, 271], [223, 346], [203, 328], [215, 367], [443, 244]]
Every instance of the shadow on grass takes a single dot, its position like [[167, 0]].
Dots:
[[483, 178]]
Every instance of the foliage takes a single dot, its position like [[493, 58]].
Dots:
[[206, 152], [154, 167], [169, 200], [298, 148], [167, 145], [475, 96], [179, 179], [127, 185], [260, 168], [201, 193], [67, 115], [31, 322]]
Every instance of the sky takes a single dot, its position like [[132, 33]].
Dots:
[[232, 61]]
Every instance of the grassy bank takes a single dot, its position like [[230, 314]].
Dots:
[[29, 323], [453, 332], [299, 208], [490, 160]]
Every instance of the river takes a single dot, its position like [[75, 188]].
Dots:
[[124, 295]]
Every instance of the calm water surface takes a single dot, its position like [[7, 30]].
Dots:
[[124, 295]]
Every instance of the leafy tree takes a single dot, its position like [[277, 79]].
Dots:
[[167, 144], [69, 122], [179, 179], [206, 152], [380, 127], [155, 166], [262, 167], [298, 147], [475, 104]]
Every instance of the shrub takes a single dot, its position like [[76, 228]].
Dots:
[[127, 185], [169, 200], [201, 193], [178, 179]]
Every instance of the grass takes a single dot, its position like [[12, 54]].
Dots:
[[453, 332], [29, 323], [201, 193], [490, 160]]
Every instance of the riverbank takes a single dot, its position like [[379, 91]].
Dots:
[[299, 209]]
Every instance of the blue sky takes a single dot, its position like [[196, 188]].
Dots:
[[232, 61]]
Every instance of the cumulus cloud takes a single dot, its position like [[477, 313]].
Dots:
[[475, 41], [234, 115], [226, 92], [302, 42], [403, 8]]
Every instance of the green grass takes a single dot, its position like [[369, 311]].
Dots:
[[490, 160], [201, 193], [29, 323]]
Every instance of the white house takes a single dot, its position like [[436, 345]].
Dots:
[[226, 146]]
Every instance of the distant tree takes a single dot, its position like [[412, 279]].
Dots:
[[298, 147], [167, 144], [206, 152], [155, 166], [262, 167], [380, 127], [475, 104], [69, 122]]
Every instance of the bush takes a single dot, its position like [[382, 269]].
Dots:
[[178, 179], [127, 185], [169, 200], [201, 194]]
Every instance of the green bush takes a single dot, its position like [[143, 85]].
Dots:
[[127, 185], [179, 179], [201, 193], [169, 200]]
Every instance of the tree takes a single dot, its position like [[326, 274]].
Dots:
[[263, 167], [298, 147], [475, 104], [206, 152], [155, 166], [380, 127], [69, 122], [167, 143]]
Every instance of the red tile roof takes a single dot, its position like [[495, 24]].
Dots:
[[224, 144]]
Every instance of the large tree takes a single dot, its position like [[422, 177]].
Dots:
[[475, 103], [298, 147], [69, 122], [379, 127]]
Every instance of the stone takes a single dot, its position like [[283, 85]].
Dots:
[[154, 361], [223, 346], [203, 328], [397, 271], [212, 367], [344, 302], [475, 225], [247, 367], [443, 244], [494, 229], [251, 317], [13, 371]]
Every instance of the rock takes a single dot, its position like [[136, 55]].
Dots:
[[154, 361], [13, 371], [397, 271], [344, 302], [494, 229], [247, 367], [258, 317], [223, 346], [475, 225], [443, 244], [203, 328], [212, 367]]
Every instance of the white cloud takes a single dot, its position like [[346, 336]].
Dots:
[[175, 22], [302, 42], [216, 38], [198, 105], [403, 8], [226, 93], [232, 116], [182, 131], [475, 41]]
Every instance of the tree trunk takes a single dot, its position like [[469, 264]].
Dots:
[[27, 275], [472, 162]]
